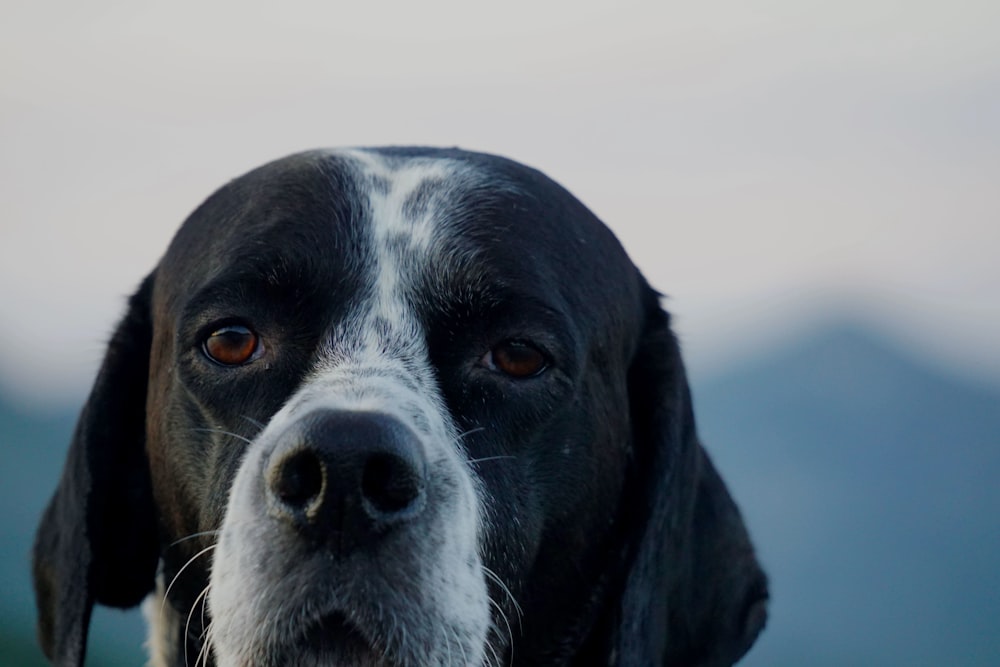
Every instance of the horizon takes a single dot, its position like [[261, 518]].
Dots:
[[883, 337]]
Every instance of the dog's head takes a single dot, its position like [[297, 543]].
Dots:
[[397, 407]]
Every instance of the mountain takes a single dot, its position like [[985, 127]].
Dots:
[[869, 480], [870, 484]]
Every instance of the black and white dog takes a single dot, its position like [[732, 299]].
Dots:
[[397, 407]]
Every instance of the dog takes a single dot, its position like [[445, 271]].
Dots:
[[399, 406]]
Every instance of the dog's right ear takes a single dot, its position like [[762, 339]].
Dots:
[[97, 541]]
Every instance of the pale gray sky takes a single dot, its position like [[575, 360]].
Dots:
[[767, 164]]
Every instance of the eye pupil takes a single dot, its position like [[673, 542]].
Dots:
[[517, 359], [231, 346]]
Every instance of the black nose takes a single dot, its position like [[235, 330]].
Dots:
[[344, 478]]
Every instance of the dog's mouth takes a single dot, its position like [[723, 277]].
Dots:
[[335, 640]]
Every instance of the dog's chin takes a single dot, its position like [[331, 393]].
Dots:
[[332, 641]]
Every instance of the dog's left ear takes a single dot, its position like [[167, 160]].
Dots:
[[694, 594], [97, 541]]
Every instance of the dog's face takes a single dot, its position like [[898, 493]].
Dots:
[[397, 407]]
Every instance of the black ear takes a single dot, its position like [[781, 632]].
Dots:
[[97, 541], [694, 594]]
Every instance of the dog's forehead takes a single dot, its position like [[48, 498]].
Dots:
[[369, 219]]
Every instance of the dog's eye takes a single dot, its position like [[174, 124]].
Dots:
[[231, 345], [516, 359]]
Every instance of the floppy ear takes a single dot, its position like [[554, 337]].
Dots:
[[97, 541], [694, 594]]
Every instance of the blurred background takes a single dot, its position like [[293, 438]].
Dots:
[[813, 185]]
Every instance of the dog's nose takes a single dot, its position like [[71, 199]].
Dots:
[[346, 477]]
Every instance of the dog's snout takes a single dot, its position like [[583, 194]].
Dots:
[[346, 477]]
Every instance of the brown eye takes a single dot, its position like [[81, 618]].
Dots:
[[516, 359], [232, 345]]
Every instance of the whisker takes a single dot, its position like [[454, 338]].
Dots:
[[253, 421], [503, 587], [187, 624], [470, 432], [203, 652], [223, 432], [447, 644], [492, 649], [461, 646], [510, 633], [180, 572], [193, 536], [490, 458], [204, 633]]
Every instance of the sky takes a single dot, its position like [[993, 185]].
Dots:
[[770, 166]]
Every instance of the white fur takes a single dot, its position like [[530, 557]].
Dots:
[[164, 626]]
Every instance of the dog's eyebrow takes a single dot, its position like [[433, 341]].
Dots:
[[497, 294], [232, 287], [277, 282], [510, 312]]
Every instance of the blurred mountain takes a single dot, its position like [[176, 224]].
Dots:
[[870, 484], [868, 479]]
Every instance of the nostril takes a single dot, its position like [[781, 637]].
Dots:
[[390, 483], [298, 478]]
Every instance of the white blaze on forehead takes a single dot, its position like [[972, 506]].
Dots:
[[375, 356], [402, 232]]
